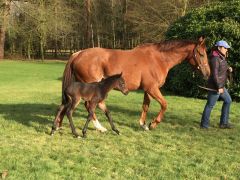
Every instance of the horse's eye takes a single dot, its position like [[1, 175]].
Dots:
[[201, 54]]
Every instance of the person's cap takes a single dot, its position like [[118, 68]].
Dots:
[[222, 44]]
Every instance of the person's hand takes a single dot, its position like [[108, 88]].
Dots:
[[230, 69], [221, 90]]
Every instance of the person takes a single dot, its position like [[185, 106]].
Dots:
[[216, 83]]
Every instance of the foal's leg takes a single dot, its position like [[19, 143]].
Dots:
[[103, 107], [156, 94], [71, 107], [145, 106], [96, 123], [91, 109], [57, 120], [62, 114]]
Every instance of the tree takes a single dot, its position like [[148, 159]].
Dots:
[[151, 18], [37, 24]]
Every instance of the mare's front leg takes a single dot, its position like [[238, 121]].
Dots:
[[103, 107], [96, 123], [57, 121], [145, 106], [91, 110], [156, 94]]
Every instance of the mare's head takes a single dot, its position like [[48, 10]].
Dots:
[[119, 83], [200, 58]]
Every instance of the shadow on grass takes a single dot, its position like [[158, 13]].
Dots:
[[35, 115], [171, 117], [29, 114]]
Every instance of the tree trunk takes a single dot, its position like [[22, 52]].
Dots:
[[55, 48], [55, 36], [29, 49], [41, 47], [124, 11], [4, 16], [88, 22], [113, 27], [92, 35], [98, 40], [185, 5], [2, 41]]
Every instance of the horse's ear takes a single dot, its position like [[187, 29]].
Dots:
[[201, 40], [119, 75]]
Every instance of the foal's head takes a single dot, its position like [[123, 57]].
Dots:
[[118, 83]]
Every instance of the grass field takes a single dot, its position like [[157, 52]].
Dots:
[[30, 93]]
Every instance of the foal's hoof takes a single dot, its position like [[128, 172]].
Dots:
[[76, 135], [84, 136], [144, 127], [117, 131], [52, 133]]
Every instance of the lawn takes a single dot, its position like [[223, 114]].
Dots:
[[30, 93]]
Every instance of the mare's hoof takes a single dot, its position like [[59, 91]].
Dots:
[[152, 125], [102, 130], [144, 127]]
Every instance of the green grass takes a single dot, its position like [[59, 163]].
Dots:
[[30, 93]]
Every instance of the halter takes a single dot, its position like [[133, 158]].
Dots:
[[199, 66]]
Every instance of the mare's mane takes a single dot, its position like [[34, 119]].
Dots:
[[168, 45]]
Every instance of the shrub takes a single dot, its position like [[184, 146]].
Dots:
[[218, 21]]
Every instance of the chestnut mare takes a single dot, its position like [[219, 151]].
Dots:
[[144, 67]]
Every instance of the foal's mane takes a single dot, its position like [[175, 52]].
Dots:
[[111, 78], [169, 45]]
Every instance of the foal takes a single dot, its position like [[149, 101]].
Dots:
[[92, 94]]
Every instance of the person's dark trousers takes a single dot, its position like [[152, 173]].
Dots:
[[211, 101]]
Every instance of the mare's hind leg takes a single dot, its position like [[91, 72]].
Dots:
[[156, 94], [96, 123], [71, 107], [145, 106], [103, 107], [57, 120]]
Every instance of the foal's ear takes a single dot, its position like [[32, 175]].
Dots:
[[201, 40], [119, 75]]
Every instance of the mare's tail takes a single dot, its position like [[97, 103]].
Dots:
[[68, 76]]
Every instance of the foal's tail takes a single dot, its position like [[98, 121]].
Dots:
[[68, 76]]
